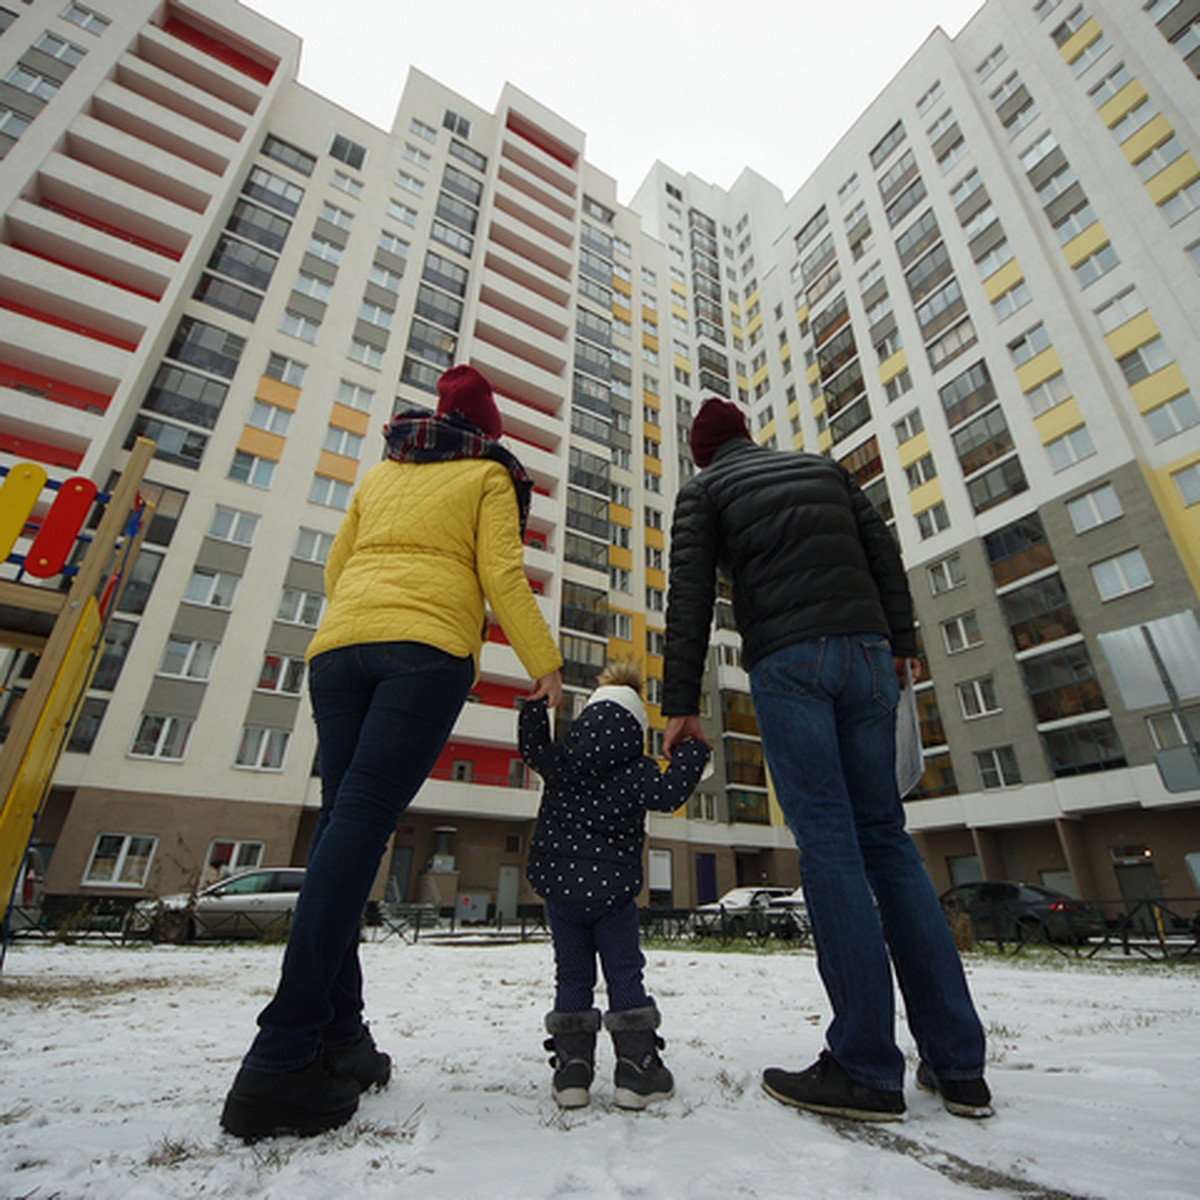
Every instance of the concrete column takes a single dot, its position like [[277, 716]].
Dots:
[[991, 858], [1070, 838]]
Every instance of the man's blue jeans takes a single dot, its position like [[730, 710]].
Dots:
[[383, 713], [826, 711], [581, 932]]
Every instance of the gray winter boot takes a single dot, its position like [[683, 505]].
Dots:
[[640, 1077], [573, 1042]]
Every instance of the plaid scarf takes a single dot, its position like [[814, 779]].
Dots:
[[417, 436]]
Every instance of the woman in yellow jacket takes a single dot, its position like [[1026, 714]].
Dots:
[[432, 533]]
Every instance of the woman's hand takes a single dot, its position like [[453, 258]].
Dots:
[[548, 688]]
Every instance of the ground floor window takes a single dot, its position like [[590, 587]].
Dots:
[[120, 858]]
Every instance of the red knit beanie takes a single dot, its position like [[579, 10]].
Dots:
[[465, 391], [715, 423]]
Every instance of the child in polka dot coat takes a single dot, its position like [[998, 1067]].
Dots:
[[585, 861]]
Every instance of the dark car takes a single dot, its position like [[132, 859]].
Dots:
[[1023, 912], [250, 904]]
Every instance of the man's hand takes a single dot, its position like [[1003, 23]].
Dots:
[[901, 663], [679, 729], [549, 688]]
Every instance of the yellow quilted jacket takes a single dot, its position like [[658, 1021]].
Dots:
[[420, 548]]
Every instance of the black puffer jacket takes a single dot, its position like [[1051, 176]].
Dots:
[[808, 555], [587, 847]]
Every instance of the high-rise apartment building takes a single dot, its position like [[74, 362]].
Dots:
[[983, 303]]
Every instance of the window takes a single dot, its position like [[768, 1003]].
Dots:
[[655, 599], [1110, 85], [1071, 448], [945, 574], [261, 748], [428, 132], [1121, 308], [459, 126], [313, 545], [86, 19], [961, 633], [977, 697], [1093, 508], [1081, 749], [1048, 393], [366, 353], [286, 370], [1141, 114], [402, 213], [920, 472], [1188, 483], [1039, 612], [347, 183], [997, 768], [1159, 157], [187, 658], [1145, 360], [233, 525], [1098, 263], [1121, 574], [213, 589], [1009, 302], [385, 278], [376, 314], [415, 155], [1177, 414], [281, 674], [1032, 342], [161, 737], [993, 60], [299, 326], [392, 244], [325, 250], [349, 152], [289, 155], [342, 441], [898, 385], [1179, 204], [269, 417], [120, 859], [298, 607], [355, 396], [410, 183], [312, 286], [1094, 50], [273, 190], [250, 468], [41, 86], [330, 492], [933, 521], [13, 124], [994, 259], [620, 626]]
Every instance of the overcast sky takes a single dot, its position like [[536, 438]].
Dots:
[[691, 84]]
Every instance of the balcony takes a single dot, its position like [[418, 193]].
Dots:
[[537, 216], [513, 373], [143, 78], [529, 184], [31, 379], [199, 66], [530, 424], [60, 443], [501, 263], [538, 249], [451, 796], [500, 329], [66, 361], [520, 150], [511, 297]]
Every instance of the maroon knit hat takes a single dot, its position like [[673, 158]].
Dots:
[[465, 391], [715, 423]]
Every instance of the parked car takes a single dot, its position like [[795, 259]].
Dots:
[[1009, 911], [739, 912], [791, 912], [25, 912], [249, 904]]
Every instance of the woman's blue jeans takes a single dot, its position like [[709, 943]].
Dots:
[[826, 711], [581, 932], [384, 711]]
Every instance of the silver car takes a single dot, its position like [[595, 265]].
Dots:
[[250, 904]]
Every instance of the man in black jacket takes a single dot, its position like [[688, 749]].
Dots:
[[825, 614]]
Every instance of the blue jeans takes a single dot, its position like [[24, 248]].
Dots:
[[826, 710], [384, 711], [580, 933]]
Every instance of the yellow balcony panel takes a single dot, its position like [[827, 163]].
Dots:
[[813, 373], [761, 374], [655, 538], [752, 299], [261, 444], [622, 285], [620, 556], [819, 404], [678, 289], [1060, 419], [282, 395], [351, 419], [802, 313], [1085, 35], [337, 466], [892, 366], [1084, 244], [656, 578], [793, 409], [785, 351], [798, 440], [1038, 369], [914, 448], [1134, 333], [1182, 523], [652, 400], [1158, 388], [766, 433], [926, 496], [653, 466], [650, 342], [1140, 144], [742, 382], [684, 364], [618, 514], [622, 313], [999, 282], [678, 309], [653, 432], [824, 441], [755, 324], [735, 308], [1167, 182], [1115, 107]]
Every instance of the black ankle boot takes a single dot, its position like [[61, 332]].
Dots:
[[573, 1042], [265, 1103], [363, 1062], [640, 1077]]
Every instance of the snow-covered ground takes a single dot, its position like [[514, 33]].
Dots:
[[114, 1062]]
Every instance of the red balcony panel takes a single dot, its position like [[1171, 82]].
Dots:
[[545, 410], [58, 322], [541, 139], [112, 230], [221, 51], [35, 384], [38, 451], [59, 262], [497, 635], [489, 764], [524, 441], [498, 695]]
